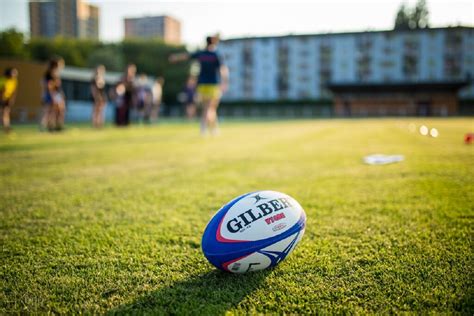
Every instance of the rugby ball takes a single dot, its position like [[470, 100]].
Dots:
[[254, 231]]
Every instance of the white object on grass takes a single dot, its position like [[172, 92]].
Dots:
[[423, 130], [380, 159], [434, 132]]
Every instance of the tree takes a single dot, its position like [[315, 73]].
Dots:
[[410, 19], [12, 44], [402, 21], [420, 14], [109, 55], [151, 57], [74, 51]]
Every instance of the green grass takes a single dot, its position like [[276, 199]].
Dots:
[[110, 221]]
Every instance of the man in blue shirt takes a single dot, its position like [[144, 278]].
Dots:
[[212, 81]]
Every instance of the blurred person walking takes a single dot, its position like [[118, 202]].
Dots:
[[190, 97], [212, 82], [144, 98], [99, 96], [53, 99], [117, 95], [157, 97], [126, 92], [8, 89]]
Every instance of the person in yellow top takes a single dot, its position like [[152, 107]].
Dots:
[[8, 88]]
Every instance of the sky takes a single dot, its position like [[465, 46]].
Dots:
[[255, 18]]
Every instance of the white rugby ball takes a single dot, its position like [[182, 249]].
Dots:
[[254, 231]]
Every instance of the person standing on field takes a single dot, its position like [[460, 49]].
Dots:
[[126, 96], [8, 89], [190, 97], [157, 97], [212, 82], [53, 98], [143, 96], [99, 96]]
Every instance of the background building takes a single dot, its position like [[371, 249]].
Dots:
[[88, 21], [68, 18], [307, 67], [164, 27]]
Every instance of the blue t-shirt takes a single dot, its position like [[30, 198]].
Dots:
[[210, 64]]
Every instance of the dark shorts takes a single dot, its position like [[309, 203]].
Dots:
[[5, 103]]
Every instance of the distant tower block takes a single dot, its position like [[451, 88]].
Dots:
[[164, 27], [67, 18]]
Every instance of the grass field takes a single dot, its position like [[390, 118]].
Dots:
[[110, 221]]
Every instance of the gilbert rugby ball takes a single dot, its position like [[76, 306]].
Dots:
[[254, 231]]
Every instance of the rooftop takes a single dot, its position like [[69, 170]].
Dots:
[[458, 27]]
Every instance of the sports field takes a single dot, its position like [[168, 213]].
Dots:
[[111, 220]]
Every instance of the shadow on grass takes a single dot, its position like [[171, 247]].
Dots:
[[213, 293]]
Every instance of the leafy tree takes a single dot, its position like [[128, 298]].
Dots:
[[420, 15], [151, 58], [75, 52], [409, 19], [109, 55], [12, 44], [402, 21]]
